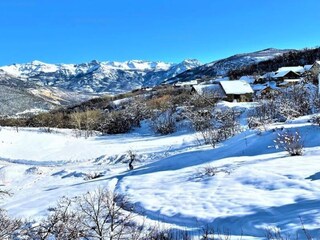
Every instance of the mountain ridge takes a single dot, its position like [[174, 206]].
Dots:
[[95, 76], [221, 67]]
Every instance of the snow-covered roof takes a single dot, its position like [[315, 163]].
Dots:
[[307, 67], [282, 74], [259, 87], [248, 79], [236, 87], [210, 89], [192, 82], [297, 69], [292, 80], [219, 79], [288, 81], [268, 75]]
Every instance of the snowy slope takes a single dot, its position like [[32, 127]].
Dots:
[[255, 186]]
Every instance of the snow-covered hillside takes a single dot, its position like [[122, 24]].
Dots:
[[96, 77], [255, 185]]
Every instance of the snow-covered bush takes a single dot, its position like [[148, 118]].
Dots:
[[290, 142], [200, 119], [203, 101], [226, 122], [263, 114], [214, 126], [296, 101]]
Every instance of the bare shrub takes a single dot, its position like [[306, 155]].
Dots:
[[295, 101], [8, 227], [132, 156], [46, 130], [62, 223], [87, 120], [210, 170], [214, 126], [116, 122], [290, 142], [164, 122], [160, 103], [200, 119], [316, 120], [210, 136], [226, 122], [137, 111], [93, 175], [205, 100], [263, 114]]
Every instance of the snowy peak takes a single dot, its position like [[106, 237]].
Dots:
[[139, 65]]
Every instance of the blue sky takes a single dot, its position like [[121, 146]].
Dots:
[[74, 31]]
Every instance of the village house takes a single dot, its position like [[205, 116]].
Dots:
[[232, 90], [267, 90], [281, 76], [213, 90], [237, 90], [293, 72], [296, 69], [315, 69]]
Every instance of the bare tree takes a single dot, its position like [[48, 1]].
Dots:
[[105, 214], [63, 223], [8, 227]]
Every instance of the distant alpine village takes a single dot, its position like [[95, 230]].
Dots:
[[249, 87]]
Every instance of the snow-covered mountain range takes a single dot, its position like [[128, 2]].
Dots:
[[97, 77]]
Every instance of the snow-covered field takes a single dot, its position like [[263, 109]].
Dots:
[[256, 186]]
